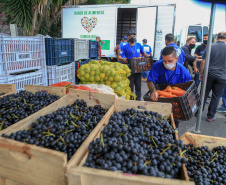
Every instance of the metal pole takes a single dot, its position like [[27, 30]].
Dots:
[[206, 68]]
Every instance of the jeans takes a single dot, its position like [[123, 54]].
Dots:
[[217, 86], [223, 106], [196, 79], [145, 74], [135, 79]]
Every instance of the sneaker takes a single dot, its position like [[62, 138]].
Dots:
[[221, 110], [210, 120]]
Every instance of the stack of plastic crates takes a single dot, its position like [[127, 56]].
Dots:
[[22, 60], [60, 60]]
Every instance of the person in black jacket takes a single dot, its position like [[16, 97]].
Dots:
[[189, 59]]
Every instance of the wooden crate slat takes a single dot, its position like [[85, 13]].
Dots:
[[60, 91], [30, 164], [8, 89], [162, 108], [202, 140]]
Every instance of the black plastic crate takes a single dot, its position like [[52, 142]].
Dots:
[[139, 65], [184, 107], [59, 51], [78, 64], [93, 49]]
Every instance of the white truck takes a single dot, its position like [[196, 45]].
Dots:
[[197, 31], [112, 22]]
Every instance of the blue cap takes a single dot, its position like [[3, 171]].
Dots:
[[125, 38]]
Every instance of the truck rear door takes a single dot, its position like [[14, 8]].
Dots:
[[165, 24], [146, 25]]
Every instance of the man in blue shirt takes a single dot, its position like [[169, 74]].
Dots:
[[147, 49], [167, 71], [123, 43], [169, 39], [130, 51]]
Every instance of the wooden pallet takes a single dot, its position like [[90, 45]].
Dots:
[[79, 175], [26, 164], [7, 89]]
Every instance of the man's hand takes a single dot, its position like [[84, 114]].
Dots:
[[155, 96], [125, 60], [199, 58], [196, 70], [201, 78]]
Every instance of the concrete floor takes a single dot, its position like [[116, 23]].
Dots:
[[216, 128]]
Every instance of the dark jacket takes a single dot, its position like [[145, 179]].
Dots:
[[189, 59]]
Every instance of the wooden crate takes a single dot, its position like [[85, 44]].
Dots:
[[202, 140], [33, 165], [79, 175], [59, 91], [7, 89]]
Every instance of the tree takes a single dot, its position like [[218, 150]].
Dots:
[[34, 16]]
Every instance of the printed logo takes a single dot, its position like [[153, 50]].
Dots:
[[89, 24], [178, 52], [138, 50]]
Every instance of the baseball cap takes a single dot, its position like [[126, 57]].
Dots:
[[145, 40], [125, 38], [130, 32]]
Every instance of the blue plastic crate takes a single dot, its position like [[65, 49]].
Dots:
[[93, 49], [59, 51], [77, 66]]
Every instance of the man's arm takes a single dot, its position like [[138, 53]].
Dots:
[[188, 57], [150, 53], [202, 69], [145, 55], [154, 93], [124, 60]]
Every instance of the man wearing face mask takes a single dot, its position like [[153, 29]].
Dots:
[[169, 41], [167, 71], [198, 53], [130, 51], [189, 59]]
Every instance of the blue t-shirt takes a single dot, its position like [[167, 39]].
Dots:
[[147, 49], [160, 75], [129, 51], [180, 53], [122, 44]]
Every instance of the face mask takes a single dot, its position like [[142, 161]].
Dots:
[[132, 39], [191, 46], [205, 41], [169, 66]]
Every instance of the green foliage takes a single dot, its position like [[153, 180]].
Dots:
[[20, 10]]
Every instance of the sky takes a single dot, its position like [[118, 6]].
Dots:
[[193, 12]]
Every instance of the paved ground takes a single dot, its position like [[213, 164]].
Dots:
[[216, 128]]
